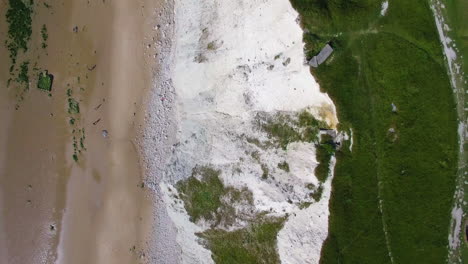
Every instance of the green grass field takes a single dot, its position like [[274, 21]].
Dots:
[[392, 194]]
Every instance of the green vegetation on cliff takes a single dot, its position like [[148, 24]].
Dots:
[[284, 129], [202, 197], [254, 244], [207, 199]]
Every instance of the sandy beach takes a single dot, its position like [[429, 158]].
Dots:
[[97, 209]]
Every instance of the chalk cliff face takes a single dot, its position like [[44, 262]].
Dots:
[[237, 70]]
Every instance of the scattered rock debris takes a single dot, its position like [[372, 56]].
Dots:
[[394, 108]]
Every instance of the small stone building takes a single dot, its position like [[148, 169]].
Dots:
[[321, 57]]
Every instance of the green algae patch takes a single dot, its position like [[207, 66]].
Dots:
[[78, 142], [253, 244], [45, 36], [23, 75], [19, 18], [19, 21], [45, 81], [73, 106]]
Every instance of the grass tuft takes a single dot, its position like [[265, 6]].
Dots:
[[284, 166], [254, 244], [202, 193], [324, 151]]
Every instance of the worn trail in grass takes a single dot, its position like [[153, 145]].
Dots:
[[457, 15], [392, 194], [451, 17]]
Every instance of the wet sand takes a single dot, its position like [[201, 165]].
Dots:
[[95, 210]]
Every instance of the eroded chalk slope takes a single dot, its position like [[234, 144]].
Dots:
[[249, 116]]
